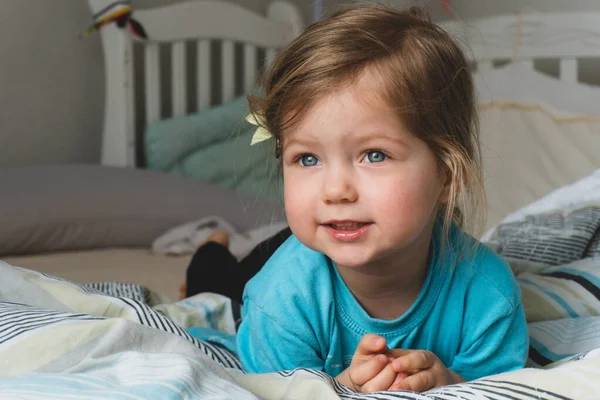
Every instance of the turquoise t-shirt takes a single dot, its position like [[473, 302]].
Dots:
[[299, 313]]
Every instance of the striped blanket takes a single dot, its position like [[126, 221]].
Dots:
[[553, 246], [60, 340]]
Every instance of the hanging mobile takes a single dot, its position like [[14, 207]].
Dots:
[[120, 13]]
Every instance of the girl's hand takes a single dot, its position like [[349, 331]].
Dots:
[[423, 371], [371, 369]]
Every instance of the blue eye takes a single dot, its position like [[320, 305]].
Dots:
[[308, 160], [375, 157]]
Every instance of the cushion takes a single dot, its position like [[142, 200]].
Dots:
[[567, 291], [214, 146], [76, 207]]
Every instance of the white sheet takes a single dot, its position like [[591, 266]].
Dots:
[[184, 239]]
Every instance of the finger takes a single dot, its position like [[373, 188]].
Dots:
[[395, 353], [419, 382], [407, 373], [370, 344], [416, 360], [382, 381], [362, 373], [400, 376]]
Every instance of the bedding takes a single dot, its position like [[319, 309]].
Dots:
[[537, 134], [553, 247], [186, 238], [214, 146], [159, 273], [75, 207], [59, 339]]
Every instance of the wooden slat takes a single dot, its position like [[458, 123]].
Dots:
[[129, 108], [152, 82], [118, 136], [203, 77], [568, 70], [179, 92], [228, 71], [270, 55], [249, 67]]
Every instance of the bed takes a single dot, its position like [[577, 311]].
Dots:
[[538, 119], [541, 136], [99, 222]]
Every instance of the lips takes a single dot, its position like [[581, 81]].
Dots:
[[347, 225], [347, 231]]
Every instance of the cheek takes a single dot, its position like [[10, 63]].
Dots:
[[297, 193], [412, 197]]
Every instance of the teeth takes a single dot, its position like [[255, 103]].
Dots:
[[347, 226]]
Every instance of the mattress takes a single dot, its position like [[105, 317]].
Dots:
[[159, 273]]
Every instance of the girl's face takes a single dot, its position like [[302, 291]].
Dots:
[[358, 186]]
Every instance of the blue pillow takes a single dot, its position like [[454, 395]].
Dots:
[[214, 146]]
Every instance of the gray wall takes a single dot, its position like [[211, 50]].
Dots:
[[52, 82]]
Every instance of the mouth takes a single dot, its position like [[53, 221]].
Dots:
[[345, 225], [347, 231]]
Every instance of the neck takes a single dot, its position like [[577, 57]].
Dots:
[[387, 287]]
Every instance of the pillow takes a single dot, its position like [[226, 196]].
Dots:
[[74, 207], [548, 239], [567, 291], [551, 246], [537, 134], [561, 340], [214, 146], [168, 140]]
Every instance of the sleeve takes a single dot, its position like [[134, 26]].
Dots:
[[275, 342], [499, 343]]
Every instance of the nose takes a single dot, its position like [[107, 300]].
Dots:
[[339, 187]]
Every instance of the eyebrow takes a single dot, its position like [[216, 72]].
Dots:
[[298, 141], [356, 138], [362, 138]]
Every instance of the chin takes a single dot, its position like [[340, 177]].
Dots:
[[349, 258]]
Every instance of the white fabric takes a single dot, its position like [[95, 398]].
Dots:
[[537, 135], [583, 191], [184, 239], [527, 153]]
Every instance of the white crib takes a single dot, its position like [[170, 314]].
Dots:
[[177, 26], [523, 39]]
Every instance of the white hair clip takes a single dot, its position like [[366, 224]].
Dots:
[[261, 134]]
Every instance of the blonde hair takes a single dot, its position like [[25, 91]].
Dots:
[[425, 78]]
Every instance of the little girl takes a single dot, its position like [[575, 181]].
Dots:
[[372, 113]]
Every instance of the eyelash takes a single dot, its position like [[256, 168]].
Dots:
[[298, 158], [385, 155]]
